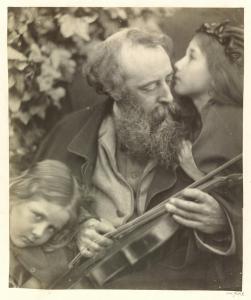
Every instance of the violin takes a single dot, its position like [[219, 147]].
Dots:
[[136, 239]]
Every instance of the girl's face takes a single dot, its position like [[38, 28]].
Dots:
[[34, 222], [192, 76]]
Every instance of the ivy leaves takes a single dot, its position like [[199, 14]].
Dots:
[[70, 25], [45, 47]]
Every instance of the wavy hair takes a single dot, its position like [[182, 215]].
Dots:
[[103, 69], [227, 76]]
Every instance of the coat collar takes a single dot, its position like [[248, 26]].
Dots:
[[163, 180], [84, 144]]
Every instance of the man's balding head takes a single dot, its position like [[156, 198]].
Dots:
[[105, 69]]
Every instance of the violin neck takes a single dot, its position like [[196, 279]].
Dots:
[[205, 183]]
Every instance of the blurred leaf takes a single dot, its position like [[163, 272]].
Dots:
[[12, 81], [58, 56], [14, 102], [24, 117], [38, 110], [48, 69], [13, 54], [70, 25], [13, 37], [117, 13], [35, 54], [21, 65], [20, 85], [45, 83], [11, 21], [56, 95], [26, 97], [67, 25], [44, 24], [82, 28], [29, 14], [22, 28]]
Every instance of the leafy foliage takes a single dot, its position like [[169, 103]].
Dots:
[[45, 46]]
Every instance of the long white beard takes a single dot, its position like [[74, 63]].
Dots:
[[149, 136]]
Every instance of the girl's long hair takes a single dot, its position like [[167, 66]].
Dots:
[[53, 181], [227, 76]]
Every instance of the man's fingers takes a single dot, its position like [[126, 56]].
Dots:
[[85, 242], [196, 195], [93, 235], [187, 223], [189, 215], [86, 252], [104, 226], [187, 205]]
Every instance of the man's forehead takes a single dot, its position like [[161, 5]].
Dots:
[[138, 61]]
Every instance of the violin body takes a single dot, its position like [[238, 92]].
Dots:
[[125, 252], [133, 244], [128, 251]]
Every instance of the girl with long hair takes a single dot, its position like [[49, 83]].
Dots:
[[44, 205]]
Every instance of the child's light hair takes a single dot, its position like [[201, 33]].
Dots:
[[53, 181]]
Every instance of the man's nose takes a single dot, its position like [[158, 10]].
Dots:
[[166, 94]]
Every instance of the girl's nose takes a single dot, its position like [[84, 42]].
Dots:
[[178, 64], [38, 230]]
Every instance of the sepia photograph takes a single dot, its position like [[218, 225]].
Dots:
[[125, 147]]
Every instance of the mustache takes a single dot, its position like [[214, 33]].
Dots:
[[162, 112]]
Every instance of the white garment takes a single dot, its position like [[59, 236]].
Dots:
[[118, 198]]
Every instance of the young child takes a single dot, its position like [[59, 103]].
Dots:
[[210, 75], [44, 202]]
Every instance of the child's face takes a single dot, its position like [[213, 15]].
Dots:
[[34, 222], [192, 76]]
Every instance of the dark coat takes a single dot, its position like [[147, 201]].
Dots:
[[36, 262], [180, 263]]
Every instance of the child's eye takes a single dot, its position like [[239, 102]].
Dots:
[[37, 216], [191, 57], [52, 229]]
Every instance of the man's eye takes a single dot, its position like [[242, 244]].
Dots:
[[150, 87]]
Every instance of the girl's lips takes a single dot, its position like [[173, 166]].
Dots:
[[27, 240]]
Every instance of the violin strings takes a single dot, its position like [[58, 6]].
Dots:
[[151, 214]]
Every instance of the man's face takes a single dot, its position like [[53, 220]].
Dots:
[[148, 77]]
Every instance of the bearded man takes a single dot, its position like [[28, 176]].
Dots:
[[126, 151]]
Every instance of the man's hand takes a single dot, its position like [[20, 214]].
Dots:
[[197, 210], [91, 239]]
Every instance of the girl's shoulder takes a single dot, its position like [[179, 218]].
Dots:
[[220, 138], [214, 114], [45, 266], [18, 274]]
